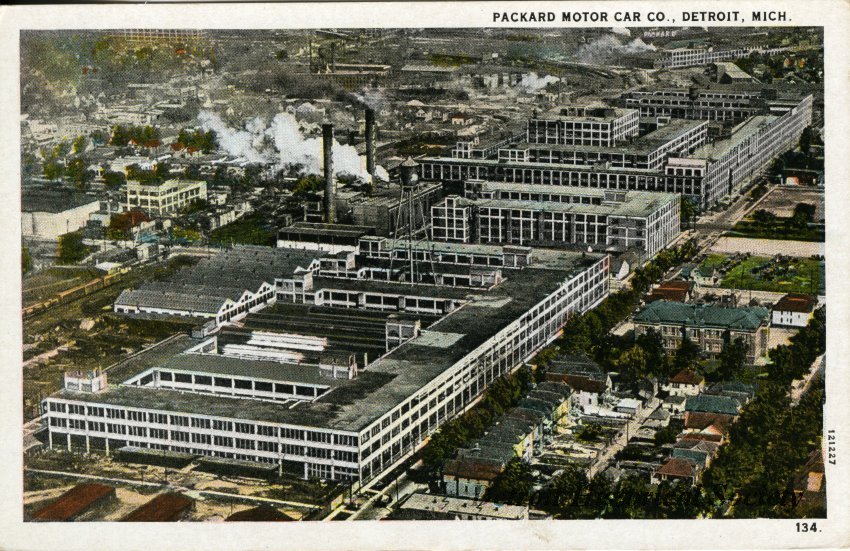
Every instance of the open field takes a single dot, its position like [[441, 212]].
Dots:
[[782, 200], [138, 483], [768, 247]]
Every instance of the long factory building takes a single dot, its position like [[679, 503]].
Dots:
[[677, 157], [360, 360], [609, 220]]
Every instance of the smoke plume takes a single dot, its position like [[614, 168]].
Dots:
[[282, 144], [532, 83], [608, 46]]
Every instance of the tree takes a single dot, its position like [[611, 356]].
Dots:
[[764, 218], [192, 172], [564, 492], [78, 172], [632, 364], [687, 355], [732, 360], [71, 248], [804, 214], [513, 485], [114, 180], [306, 184], [806, 137], [79, 145], [26, 260], [656, 357], [687, 212]]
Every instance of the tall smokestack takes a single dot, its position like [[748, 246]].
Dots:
[[371, 138], [330, 188]]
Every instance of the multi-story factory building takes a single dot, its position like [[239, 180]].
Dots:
[[690, 57], [707, 171], [592, 126], [615, 221], [719, 103], [356, 364], [166, 198]]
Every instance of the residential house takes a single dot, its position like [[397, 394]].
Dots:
[[794, 310], [685, 383], [676, 291], [705, 409], [676, 468], [470, 476], [583, 375]]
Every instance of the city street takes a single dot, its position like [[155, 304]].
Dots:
[[622, 438]]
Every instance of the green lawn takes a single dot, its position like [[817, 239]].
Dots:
[[252, 229], [795, 275], [713, 261]]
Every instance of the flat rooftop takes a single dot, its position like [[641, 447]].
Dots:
[[353, 405], [638, 205], [542, 166], [38, 199], [585, 114], [715, 150], [643, 145]]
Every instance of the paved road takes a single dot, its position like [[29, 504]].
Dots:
[[800, 386], [400, 488], [619, 442]]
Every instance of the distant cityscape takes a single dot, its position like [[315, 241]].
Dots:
[[423, 274]]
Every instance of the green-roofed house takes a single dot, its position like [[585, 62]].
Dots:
[[710, 327]]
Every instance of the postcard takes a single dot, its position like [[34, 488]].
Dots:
[[364, 273]]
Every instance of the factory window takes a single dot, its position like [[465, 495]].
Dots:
[[201, 423], [116, 429], [165, 376], [56, 422], [57, 407], [76, 409], [159, 433], [293, 434], [203, 380], [346, 440], [77, 424], [266, 446], [322, 437], [224, 441], [223, 382], [283, 389], [263, 387], [180, 436], [222, 425], [245, 428], [182, 378], [137, 416], [292, 450], [179, 420], [304, 391], [201, 438], [159, 418], [242, 383], [138, 431], [266, 430], [245, 444]]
